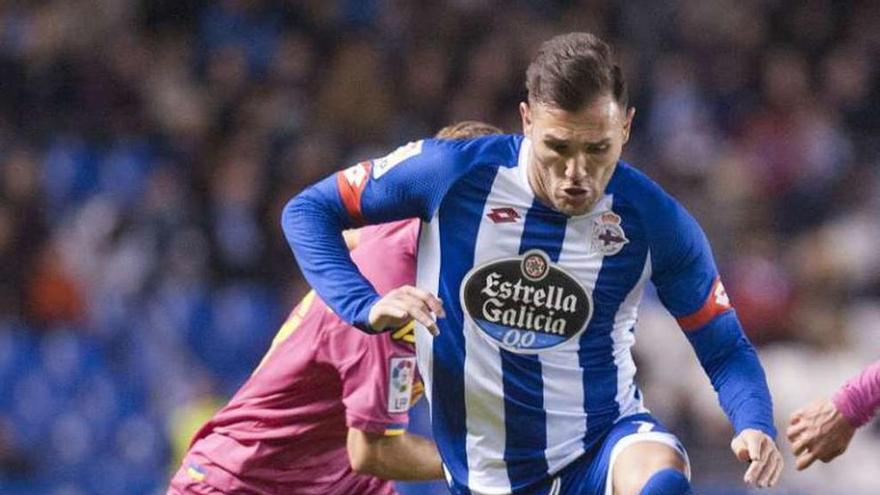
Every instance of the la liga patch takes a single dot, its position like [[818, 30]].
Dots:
[[402, 371]]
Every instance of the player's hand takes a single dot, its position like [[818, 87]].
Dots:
[[757, 448], [818, 431], [406, 303]]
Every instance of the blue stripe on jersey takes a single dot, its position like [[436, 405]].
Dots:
[[524, 415], [459, 224], [617, 277]]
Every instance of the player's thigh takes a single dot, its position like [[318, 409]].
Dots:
[[635, 448]]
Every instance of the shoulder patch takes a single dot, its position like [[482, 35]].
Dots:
[[401, 371], [405, 152]]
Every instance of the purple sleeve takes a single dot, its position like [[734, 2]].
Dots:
[[377, 378], [859, 398]]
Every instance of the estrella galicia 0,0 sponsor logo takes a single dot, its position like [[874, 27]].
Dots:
[[526, 303]]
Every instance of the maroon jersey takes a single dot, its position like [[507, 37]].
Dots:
[[285, 430]]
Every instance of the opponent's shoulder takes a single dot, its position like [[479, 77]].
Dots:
[[346, 347], [386, 254], [390, 232]]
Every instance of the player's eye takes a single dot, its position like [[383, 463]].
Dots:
[[598, 150], [559, 148]]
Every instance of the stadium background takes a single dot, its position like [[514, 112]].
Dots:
[[146, 148]]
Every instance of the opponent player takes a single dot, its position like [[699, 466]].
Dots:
[[539, 248], [824, 429], [326, 410]]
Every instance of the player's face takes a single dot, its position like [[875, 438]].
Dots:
[[574, 154]]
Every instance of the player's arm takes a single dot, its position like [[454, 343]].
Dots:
[[824, 429], [379, 385], [408, 183], [688, 284], [404, 457]]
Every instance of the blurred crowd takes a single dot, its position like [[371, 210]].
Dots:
[[147, 147]]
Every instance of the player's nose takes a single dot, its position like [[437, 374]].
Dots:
[[576, 169]]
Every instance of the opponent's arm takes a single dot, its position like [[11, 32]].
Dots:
[[405, 457], [859, 398], [688, 285], [824, 429]]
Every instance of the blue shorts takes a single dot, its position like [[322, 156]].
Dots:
[[591, 473]]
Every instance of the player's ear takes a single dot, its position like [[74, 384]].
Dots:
[[525, 111], [627, 123]]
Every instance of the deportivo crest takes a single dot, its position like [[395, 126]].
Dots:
[[608, 236], [526, 304]]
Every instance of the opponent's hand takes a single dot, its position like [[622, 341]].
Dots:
[[406, 303], [818, 431], [760, 450]]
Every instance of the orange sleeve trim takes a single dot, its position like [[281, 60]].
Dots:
[[716, 303], [351, 183]]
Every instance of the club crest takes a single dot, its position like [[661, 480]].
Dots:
[[608, 236]]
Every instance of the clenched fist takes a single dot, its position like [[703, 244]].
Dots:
[[818, 431]]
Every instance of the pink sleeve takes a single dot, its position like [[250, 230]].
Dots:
[[859, 398], [386, 254], [377, 380], [379, 372]]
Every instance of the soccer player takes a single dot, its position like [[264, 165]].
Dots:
[[533, 255], [326, 410], [824, 429]]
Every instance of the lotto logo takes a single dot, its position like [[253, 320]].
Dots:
[[503, 215], [351, 183], [721, 298], [355, 175]]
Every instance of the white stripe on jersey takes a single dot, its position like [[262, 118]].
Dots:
[[427, 278], [563, 391], [483, 377], [563, 397], [624, 320]]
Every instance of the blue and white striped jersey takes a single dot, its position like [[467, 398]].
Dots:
[[532, 366]]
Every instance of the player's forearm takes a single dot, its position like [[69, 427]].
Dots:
[[736, 373], [411, 458], [859, 398], [313, 222], [403, 457]]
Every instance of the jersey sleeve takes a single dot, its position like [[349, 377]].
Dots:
[[378, 379], [859, 398], [410, 182], [395, 244], [689, 286]]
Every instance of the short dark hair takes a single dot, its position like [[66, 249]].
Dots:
[[570, 70]]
